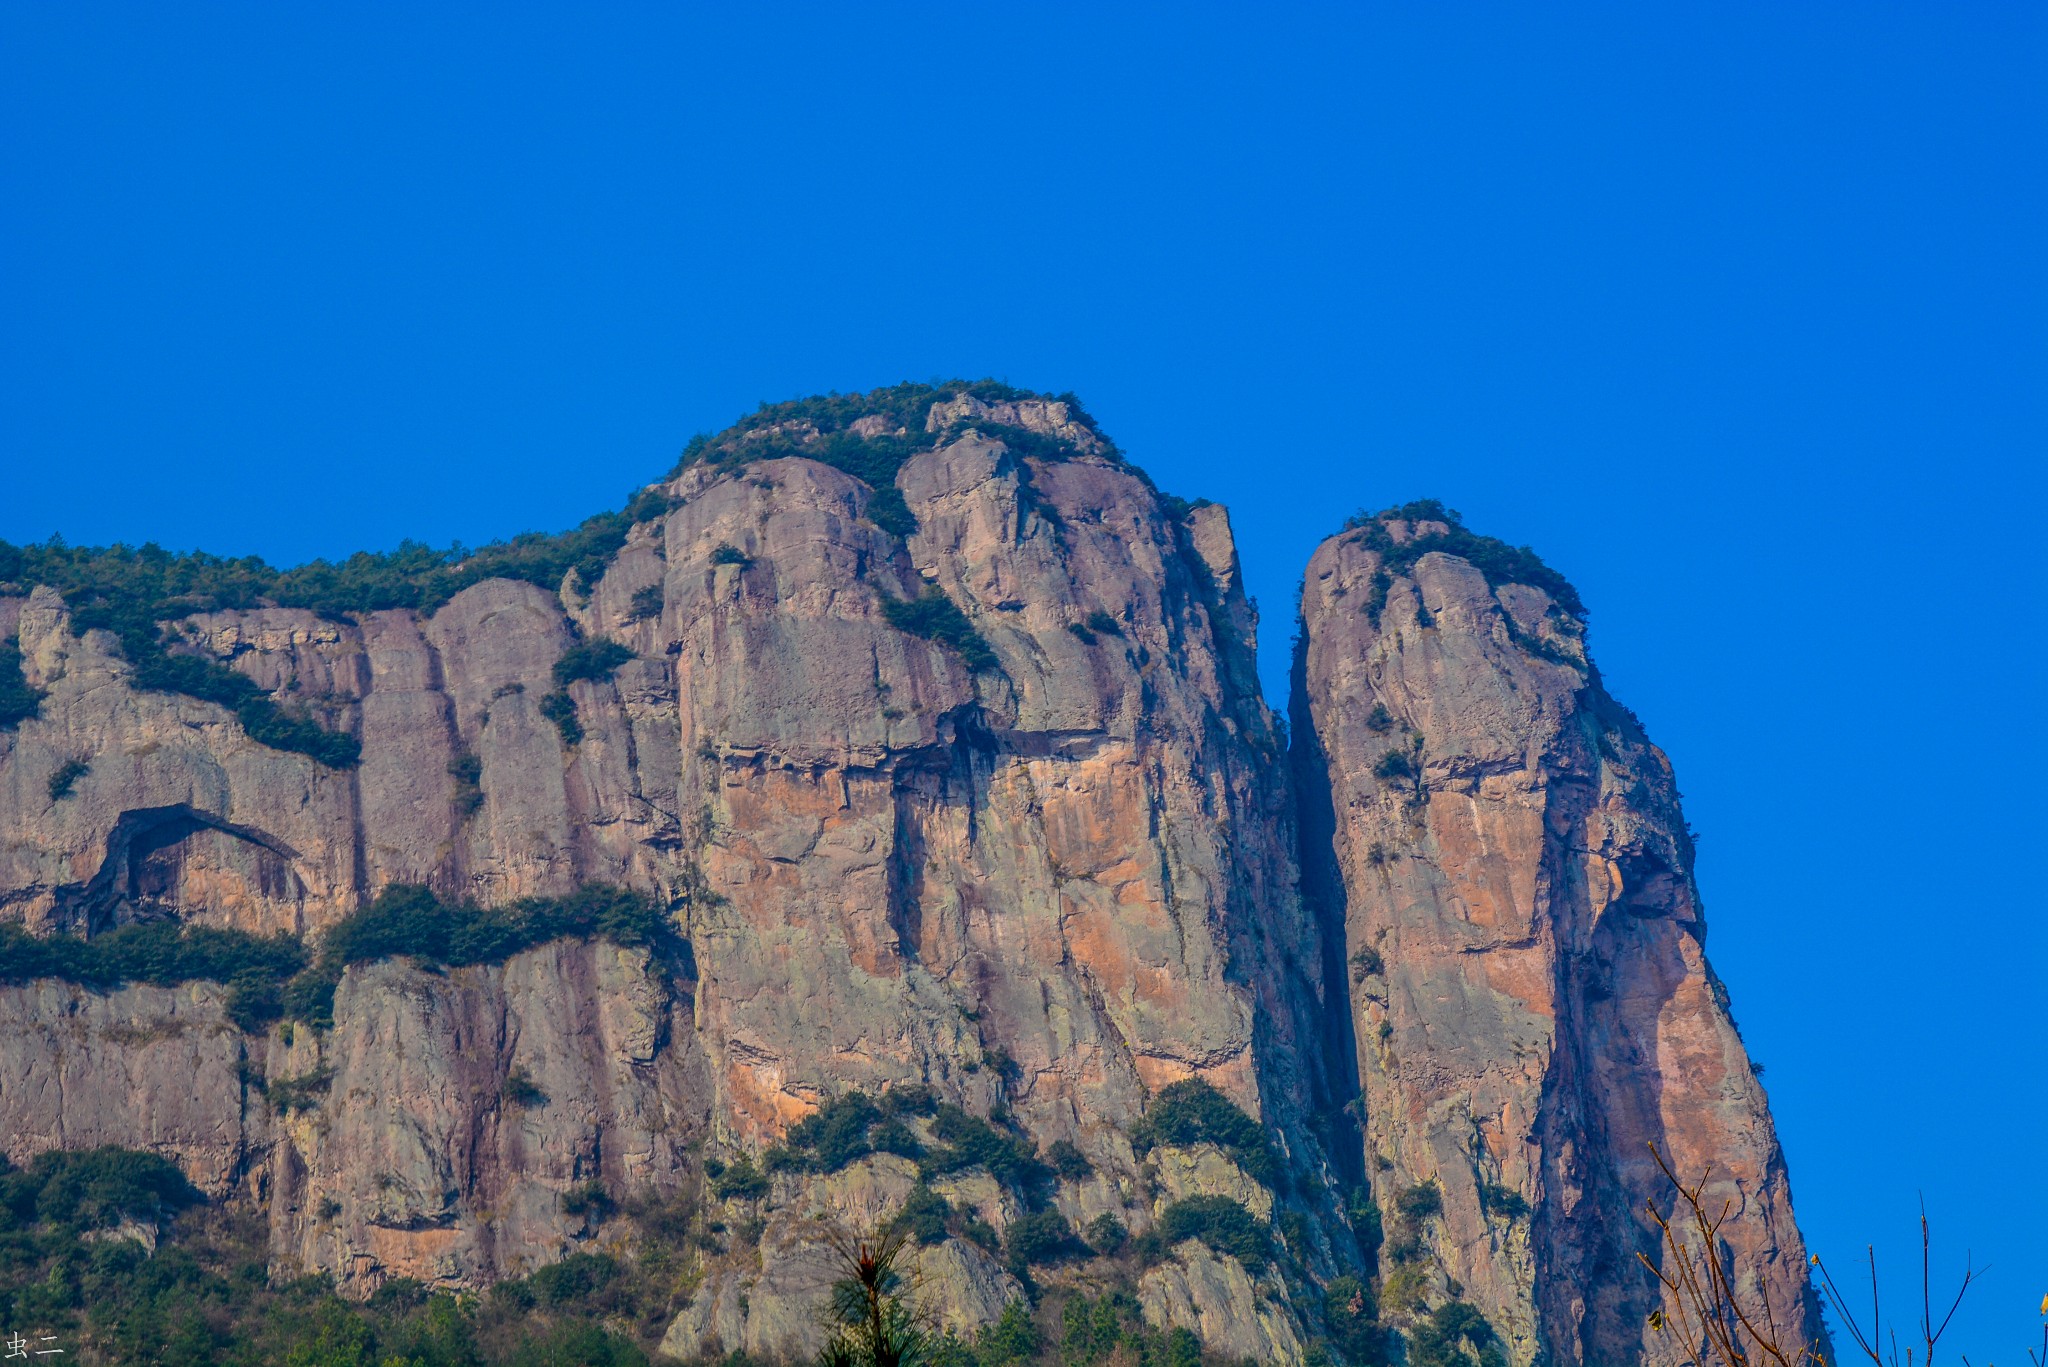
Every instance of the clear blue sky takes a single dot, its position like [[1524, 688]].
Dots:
[[1739, 314]]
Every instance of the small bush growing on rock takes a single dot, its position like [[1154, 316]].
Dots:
[[65, 777], [725, 553], [1100, 621], [1067, 1161], [1406, 1248], [18, 701], [968, 1141], [1379, 719], [836, 1134], [1367, 963], [1107, 1234], [1420, 1201], [521, 1090], [1353, 1317], [574, 1278], [893, 1136], [647, 602], [468, 772], [1394, 764], [909, 1099], [559, 708], [1041, 1237], [1220, 1223], [592, 660], [741, 1181], [925, 1215], [302, 1093], [1505, 1202], [590, 1200], [1365, 1220], [935, 617], [1444, 1338], [1192, 1112]]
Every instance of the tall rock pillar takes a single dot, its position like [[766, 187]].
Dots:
[[1531, 1004]]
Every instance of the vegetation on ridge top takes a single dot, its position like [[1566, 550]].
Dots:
[[132, 591], [1492, 557], [820, 428]]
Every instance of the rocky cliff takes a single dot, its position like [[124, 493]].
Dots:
[[1502, 851], [931, 728]]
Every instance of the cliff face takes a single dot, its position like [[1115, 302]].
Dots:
[[1045, 883], [1530, 1004], [1046, 887]]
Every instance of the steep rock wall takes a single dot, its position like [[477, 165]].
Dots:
[[1531, 1007], [1047, 888]]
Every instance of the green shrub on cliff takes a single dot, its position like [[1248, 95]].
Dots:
[[1192, 1112], [834, 1135], [65, 777], [1041, 1237], [87, 1189], [591, 660], [968, 1141], [1455, 1335], [559, 708], [1222, 1224], [936, 617], [163, 954], [413, 921], [18, 701], [1111, 1328]]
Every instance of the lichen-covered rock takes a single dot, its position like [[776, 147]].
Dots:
[[1531, 1005]]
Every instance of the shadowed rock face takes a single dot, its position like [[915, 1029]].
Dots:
[[1530, 1004], [1050, 887]]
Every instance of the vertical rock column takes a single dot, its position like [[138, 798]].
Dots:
[[1531, 1004]]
